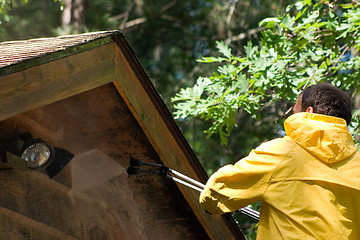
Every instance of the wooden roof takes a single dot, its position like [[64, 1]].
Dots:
[[14, 52], [39, 72]]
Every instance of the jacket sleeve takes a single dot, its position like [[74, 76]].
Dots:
[[235, 186]]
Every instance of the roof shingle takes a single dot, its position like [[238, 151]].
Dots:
[[14, 52]]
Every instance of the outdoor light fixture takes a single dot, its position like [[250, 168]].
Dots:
[[38, 155], [35, 154]]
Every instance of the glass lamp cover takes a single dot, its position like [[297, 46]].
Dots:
[[37, 155]]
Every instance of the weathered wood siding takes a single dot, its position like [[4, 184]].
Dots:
[[93, 197]]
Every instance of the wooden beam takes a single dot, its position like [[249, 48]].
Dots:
[[43, 84], [166, 138]]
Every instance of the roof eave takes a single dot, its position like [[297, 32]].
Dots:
[[43, 58]]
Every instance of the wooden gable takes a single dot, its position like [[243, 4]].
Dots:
[[89, 94]]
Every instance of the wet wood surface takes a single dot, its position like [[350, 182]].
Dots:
[[83, 203]]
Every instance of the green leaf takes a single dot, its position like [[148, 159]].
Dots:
[[227, 69], [300, 14], [269, 22], [224, 49], [289, 7], [211, 59], [311, 18], [250, 50]]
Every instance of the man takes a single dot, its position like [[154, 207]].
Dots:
[[308, 181]]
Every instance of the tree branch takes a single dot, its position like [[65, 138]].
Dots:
[[130, 25], [124, 16], [244, 35], [168, 6], [228, 18], [133, 23]]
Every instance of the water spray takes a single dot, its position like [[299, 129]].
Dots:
[[160, 169]]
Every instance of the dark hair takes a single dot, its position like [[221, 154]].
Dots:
[[327, 99]]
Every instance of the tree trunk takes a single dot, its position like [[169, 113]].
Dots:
[[78, 20], [66, 16]]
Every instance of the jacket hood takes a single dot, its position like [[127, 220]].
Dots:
[[325, 137]]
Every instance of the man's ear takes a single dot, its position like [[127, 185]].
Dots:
[[310, 110]]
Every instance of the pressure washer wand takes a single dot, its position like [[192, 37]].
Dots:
[[180, 178]]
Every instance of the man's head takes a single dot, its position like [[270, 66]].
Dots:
[[324, 99]]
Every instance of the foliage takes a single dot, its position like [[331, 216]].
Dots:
[[6, 5], [354, 128], [312, 42], [33, 19]]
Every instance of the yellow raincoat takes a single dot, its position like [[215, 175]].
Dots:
[[308, 181]]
